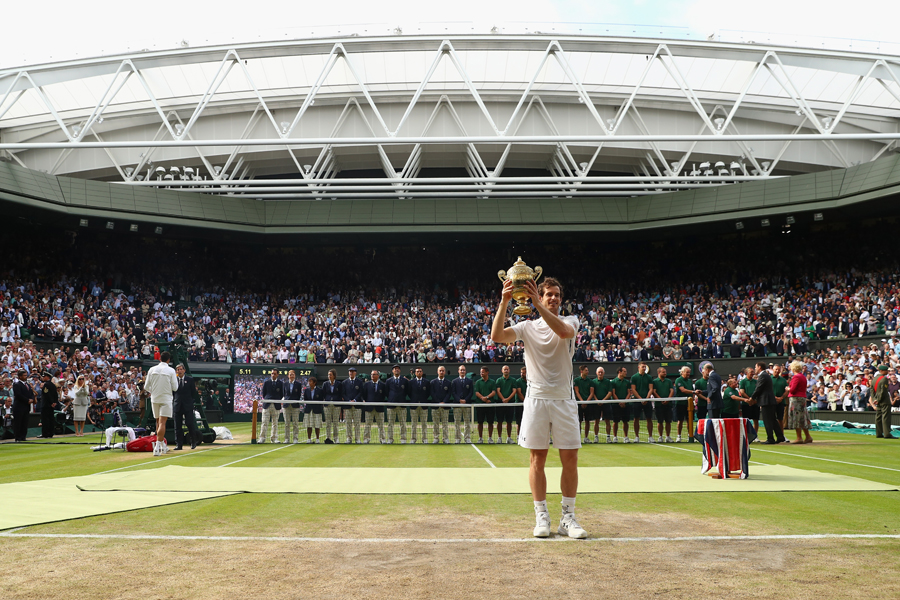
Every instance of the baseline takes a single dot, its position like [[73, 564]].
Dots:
[[530, 540]]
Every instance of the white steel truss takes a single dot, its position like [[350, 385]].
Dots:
[[593, 134]]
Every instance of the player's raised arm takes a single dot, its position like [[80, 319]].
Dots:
[[500, 333], [548, 307]]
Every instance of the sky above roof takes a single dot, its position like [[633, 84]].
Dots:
[[51, 31]]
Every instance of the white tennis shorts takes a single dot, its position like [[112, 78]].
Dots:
[[162, 409], [540, 417]]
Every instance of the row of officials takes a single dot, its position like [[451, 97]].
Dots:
[[291, 398]]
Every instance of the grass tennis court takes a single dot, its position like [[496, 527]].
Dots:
[[455, 545]]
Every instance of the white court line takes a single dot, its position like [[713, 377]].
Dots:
[[493, 466], [557, 538], [255, 455], [701, 452], [153, 462], [843, 462]]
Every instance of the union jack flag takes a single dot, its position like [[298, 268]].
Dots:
[[726, 445]]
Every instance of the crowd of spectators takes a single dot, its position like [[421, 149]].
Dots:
[[110, 297]]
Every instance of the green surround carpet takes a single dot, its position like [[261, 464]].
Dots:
[[47, 501], [465, 481]]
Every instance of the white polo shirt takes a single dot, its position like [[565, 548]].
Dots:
[[161, 382], [548, 358]]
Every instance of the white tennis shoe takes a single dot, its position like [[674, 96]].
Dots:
[[480, 440], [570, 527], [155, 448], [627, 439], [678, 440], [669, 439], [542, 527], [609, 440]]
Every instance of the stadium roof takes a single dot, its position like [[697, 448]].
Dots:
[[504, 116]]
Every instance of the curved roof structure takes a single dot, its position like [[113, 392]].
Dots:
[[478, 116]]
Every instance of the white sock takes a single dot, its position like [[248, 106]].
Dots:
[[568, 505], [540, 506]]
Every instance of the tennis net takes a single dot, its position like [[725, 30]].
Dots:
[[601, 421]]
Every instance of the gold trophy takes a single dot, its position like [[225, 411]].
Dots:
[[519, 273]]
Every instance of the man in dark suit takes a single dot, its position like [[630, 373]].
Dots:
[[23, 398], [272, 389], [713, 392], [183, 408], [293, 390], [375, 391], [312, 413], [765, 398], [49, 404]]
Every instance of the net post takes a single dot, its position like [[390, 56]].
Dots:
[[253, 420], [690, 420]]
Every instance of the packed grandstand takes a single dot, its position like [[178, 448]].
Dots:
[[71, 306]]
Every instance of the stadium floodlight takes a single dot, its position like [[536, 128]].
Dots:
[[739, 225], [765, 165], [817, 217], [307, 169], [764, 222], [584, 167], [284, 127], [736, 166], [188, 171], [160, 171], [175, 170], [704, 166], [158, 230], [83, 223], [129, 171], [133, 227], [611, 124], [110, 225], [720, 121], [790, 220], [827, 121], [179, 129]]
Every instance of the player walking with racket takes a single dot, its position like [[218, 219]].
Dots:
[[549, 401]]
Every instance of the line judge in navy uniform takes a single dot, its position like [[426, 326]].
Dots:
[[183, 408], [312, 413], [440, 416], [397, 391], [352, 392], [293, 390], [375, 391], [419, 393], [23, 398], [332, 392], [462, 389], [272, 389]]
